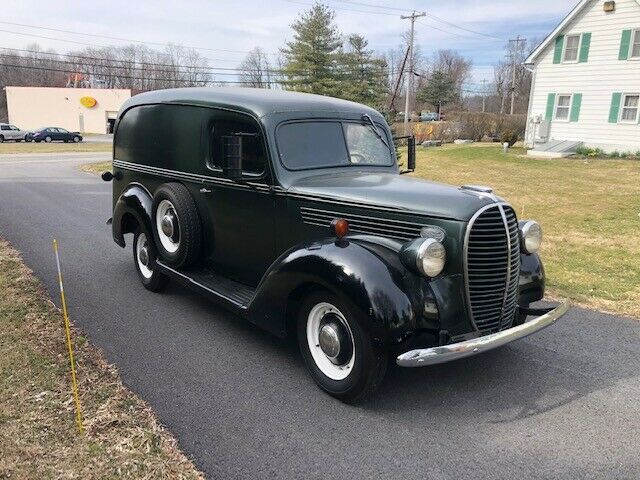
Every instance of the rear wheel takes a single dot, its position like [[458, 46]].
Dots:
[[177, 228], [1, 138], [341, 356], [144, 258], [47, 139]]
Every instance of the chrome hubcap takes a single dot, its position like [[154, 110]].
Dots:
[[144, 255], [330, 341], [168, 227]]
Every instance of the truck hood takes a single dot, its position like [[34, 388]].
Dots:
[[398, 192]]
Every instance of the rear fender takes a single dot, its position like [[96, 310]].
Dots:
[[133, 208], [386, 298]]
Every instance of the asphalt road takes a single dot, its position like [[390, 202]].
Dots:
[[564, 403]]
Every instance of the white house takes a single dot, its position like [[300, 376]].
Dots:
[[586, 81]]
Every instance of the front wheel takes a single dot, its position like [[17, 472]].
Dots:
[[340, 355], [47, 139], [144, 258], [76, 139]]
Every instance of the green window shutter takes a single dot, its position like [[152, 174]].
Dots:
[[574, 116], [615, 107], [551, 102], [557, 53], [624, 45], [584, 47]]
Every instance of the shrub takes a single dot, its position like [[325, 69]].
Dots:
[[509, 136]]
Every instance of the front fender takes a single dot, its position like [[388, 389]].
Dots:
[[387, 299], [532, 279], [133, 208]]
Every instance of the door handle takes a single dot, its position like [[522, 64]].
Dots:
[[205, 190]]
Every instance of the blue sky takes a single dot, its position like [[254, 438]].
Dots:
[[242, 25]]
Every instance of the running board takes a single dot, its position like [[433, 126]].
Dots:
[[213, 285]]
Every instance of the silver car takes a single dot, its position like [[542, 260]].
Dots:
[[11, 132]]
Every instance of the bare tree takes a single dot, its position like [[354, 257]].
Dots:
[[255, 69]]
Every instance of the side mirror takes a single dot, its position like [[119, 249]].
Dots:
[[232, 156], [411, 153]]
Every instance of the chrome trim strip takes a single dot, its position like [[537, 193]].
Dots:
[[193, 177], [508, 279], [276, 189], [446, 353]]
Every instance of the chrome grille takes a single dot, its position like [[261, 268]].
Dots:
[[363, 224], [492, 267]]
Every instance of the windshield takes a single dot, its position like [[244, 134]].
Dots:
[[304, 145]]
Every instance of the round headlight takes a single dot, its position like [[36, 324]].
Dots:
[[431, 257], [531, 236]]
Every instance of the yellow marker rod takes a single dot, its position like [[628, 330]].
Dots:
[[69, 345]]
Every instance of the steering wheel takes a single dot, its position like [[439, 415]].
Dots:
[[356, 157]]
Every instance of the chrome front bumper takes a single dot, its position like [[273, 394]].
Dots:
[[431, 356]]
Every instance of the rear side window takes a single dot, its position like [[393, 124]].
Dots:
[[5, 127], [165, 136]]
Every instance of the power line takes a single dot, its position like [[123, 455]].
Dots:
[[442, 20], [144, 42], [135, 65], [169, 80], [384, 7], [95, 45]]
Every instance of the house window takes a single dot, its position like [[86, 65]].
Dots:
[[635, 44], [563, 104], [630, 104], [572, 45]]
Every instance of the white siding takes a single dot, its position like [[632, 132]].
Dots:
[[596, 79]]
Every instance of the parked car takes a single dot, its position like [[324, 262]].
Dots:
[[429, 116], [290, 210], [54, 134], [11, 132]]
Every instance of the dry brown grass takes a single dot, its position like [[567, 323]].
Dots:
[[32, 147], [589, 211], [98, 167], [38, 436]]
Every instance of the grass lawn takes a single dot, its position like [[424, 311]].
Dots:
[[589, 211], [57, 147], [38, 435]]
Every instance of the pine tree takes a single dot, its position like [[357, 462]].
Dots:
[[311, 59], [439, 91], [364, 77]]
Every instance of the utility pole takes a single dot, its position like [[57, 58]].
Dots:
[[411, 17], [484, 93], [516, 46]]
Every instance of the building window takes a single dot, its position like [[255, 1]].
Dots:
[[630, 104], [635, 44], [563, 105], [571, 48]]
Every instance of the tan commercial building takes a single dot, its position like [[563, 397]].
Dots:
[[92, 110]]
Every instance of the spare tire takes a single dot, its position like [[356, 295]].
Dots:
[[176, 225]]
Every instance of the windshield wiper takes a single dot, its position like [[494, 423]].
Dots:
[[374, 127]]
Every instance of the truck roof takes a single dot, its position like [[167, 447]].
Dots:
[[258, 101]]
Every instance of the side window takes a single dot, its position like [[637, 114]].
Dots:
[[223, 124], [165, 136], [4, 127]]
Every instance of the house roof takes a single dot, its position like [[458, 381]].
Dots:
[[571, 15]]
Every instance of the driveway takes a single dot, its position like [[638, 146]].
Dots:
[[563, 403]]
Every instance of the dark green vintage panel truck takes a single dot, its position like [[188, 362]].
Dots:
[[291, 210]]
